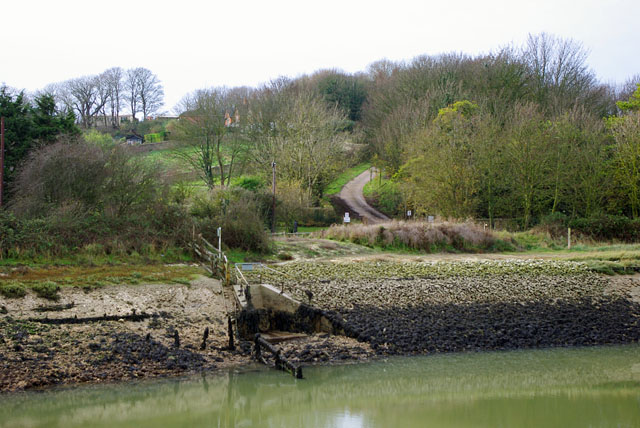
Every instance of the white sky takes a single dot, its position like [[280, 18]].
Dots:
[[194, 44]]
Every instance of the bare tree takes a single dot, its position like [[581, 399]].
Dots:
[[626, 90], [144, 93], [132, 89], [559, 71], [150, 92], [85, 95], [114, 80], [207, 127], [299, 132]]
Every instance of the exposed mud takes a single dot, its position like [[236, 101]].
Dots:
[[76, 345]]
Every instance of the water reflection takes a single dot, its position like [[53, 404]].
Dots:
[[562, 387]]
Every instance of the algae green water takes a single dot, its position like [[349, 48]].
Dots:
[[586, 387]]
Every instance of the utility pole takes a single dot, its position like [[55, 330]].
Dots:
[[273, 219], [1, 159]]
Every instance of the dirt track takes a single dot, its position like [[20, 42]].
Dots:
[[352, 195]]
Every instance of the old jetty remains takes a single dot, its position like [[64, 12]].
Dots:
[[260, 312]]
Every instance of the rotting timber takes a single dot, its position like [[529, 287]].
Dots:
[[281, 363]]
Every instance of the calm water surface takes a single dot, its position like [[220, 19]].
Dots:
[[588, 387]]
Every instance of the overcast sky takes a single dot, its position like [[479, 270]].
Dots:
[[194, 44]]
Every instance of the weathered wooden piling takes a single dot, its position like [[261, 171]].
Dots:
[[281, 363]]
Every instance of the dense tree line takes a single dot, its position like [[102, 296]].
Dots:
[[519, 133], [522, 133]]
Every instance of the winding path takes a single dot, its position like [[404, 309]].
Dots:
[[352, 196]]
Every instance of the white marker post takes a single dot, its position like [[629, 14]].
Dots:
[[346, 218]]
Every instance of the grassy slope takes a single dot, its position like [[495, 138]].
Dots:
[[336, 185]]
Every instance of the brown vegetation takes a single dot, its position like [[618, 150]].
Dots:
[[418, 235]]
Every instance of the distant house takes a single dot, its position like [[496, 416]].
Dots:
[[133, 139]]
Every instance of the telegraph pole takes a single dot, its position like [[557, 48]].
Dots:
[[1, 159], [273, 219]]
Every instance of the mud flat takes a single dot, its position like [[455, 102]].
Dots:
[[423, 307], [150, 330]]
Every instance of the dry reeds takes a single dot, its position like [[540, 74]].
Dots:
[[418, 235]]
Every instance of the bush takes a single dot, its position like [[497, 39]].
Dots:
[[46, 290], [608, 227], [554, 224], [237, 212], [74, 195], [386, 198], [250, 183], [12, 290], [156, 137]]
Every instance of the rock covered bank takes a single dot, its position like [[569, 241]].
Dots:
[[424, 307]]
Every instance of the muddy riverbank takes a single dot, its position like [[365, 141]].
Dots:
[[150, 330], [385, 308]]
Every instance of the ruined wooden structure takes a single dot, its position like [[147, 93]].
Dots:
[[281, 363]]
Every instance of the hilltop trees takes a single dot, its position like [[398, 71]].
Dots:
[[103, 96], [114, 79], [143, 91]]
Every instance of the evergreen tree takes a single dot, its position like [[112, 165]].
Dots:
[[28, 126]]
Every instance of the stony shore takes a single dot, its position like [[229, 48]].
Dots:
[[416, 308], [387, 308]]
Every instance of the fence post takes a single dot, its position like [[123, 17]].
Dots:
[[230, 333]]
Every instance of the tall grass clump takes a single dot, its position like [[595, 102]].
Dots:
[[420, 235]]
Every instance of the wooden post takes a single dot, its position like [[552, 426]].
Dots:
[[203, 345], [256, 345], [232, 345], [569, 238]]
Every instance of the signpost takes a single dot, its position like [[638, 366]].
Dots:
[[346, 218]]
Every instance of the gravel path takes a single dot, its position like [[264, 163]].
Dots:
[[352, 195]]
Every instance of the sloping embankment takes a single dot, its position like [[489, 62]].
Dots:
[[409, 308]]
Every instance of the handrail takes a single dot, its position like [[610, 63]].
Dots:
[[216, 263]]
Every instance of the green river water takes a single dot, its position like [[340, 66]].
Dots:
[[585, 387]]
